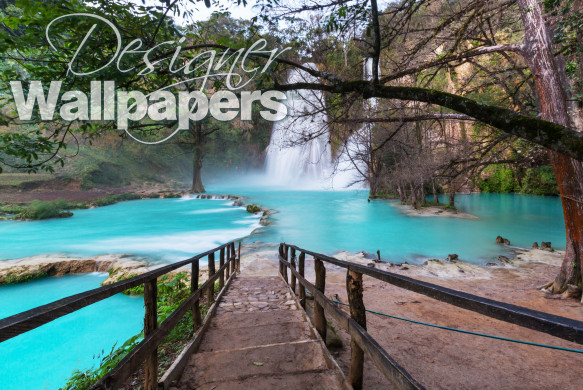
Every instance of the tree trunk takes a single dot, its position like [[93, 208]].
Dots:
[[197, 186], [452, 198], [550, 80], [435, 197]]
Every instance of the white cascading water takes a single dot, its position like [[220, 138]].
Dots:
[[291, 160]]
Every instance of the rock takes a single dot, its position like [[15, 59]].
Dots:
[[490, 264], [535, 245], [253, 208], [370, 265], [546, 246], [453, 258], [502, 240], [503, 259]]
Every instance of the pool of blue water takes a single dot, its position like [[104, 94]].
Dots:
[[166, 230], [329, 221], [45, 357]]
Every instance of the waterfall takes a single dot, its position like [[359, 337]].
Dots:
[[290, 158], [299, 149], [350, 164]]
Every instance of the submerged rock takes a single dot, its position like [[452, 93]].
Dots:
[[502, 240], [546, 246]]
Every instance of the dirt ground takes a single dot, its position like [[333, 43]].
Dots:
[[71, 192], [441, 359]]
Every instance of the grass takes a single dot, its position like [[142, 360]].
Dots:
[[15, 179], [37, 210]]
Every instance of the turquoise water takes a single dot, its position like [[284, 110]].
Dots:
[[324, 221], [172, 229], [328, 221], [46, 356], [166, 229]]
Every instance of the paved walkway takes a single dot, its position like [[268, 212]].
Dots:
[[260, 339]]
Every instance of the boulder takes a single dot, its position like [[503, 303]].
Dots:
[[546, 246], [502, 240], [535, 245], [453, 258]]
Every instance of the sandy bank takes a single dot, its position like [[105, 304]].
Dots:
[[433, 211], [442, 359]]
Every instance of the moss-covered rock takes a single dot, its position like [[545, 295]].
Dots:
[[253, 208]]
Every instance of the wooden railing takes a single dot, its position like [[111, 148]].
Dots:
[[362, 343], [146, 351]]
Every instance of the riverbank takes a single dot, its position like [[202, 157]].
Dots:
[[443, 359], [119, 267]]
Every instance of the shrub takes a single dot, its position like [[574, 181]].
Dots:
[[44, 210]]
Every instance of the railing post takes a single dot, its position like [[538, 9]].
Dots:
[[150, 324], [196, 317], [286, 257], [239, 258], [280, 264], [358, 314], [319, 316], [221, 263], [301, 263], [293, 264], [228, 269], [211, 268]]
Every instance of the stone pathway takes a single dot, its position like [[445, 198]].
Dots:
[[260, 338]]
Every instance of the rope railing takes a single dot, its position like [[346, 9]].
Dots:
[[146, 351], [355, 324]]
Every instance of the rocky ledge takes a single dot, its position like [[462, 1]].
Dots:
[[119, 267]]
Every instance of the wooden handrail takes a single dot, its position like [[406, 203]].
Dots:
[[562, 327], [355, 324], [146, 350], [386, 364], [129, 364], [28, 320]]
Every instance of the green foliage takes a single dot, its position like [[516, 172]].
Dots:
[[540, 181], [10, 209], [44, 210], [253, 208], [499, 179], [536, 181], [12, 278], [112, 199], [83, 380], [171, 293]]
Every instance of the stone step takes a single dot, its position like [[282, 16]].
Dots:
[[253, 319], [321, 380], [219, 339], [240, 364]]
